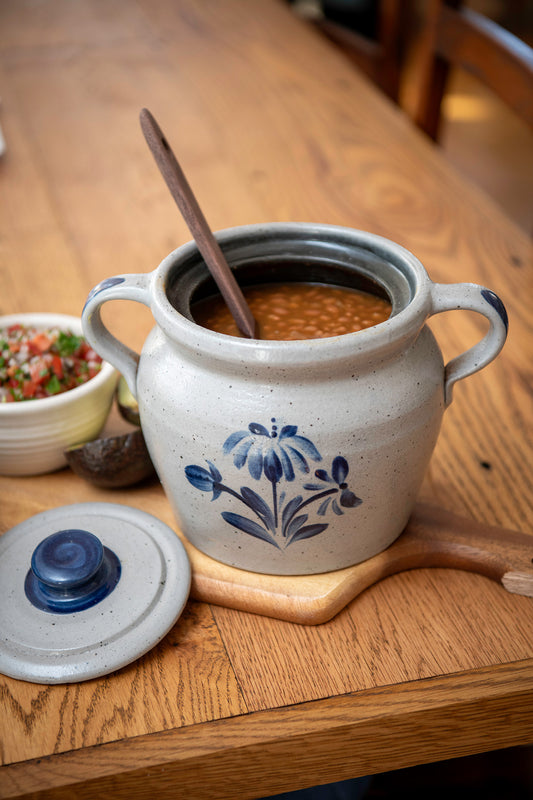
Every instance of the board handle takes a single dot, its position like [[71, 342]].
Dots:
[[435, 537]]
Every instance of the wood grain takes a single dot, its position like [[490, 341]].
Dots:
[[271, 123], [312, 743], [183, 681], [410, 627]]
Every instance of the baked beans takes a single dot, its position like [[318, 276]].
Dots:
[[289, 311]]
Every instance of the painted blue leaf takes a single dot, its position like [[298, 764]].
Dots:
[[349, 499], [248, 526], [241, 452], [298, 458], [259, 430], [215, 474], [288, 430], [339, 469], [313, 487], [296, 524], [272, 466], [322, 475], [306, 446], [323, 507], [286, 464], [308, 531], [217, 491], [255, 464], [257, 503], [335, 506], [199, 477], [289, 511], [233, 440]]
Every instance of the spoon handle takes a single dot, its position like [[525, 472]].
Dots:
[[197, 223]]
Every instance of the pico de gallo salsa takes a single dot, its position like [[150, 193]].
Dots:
[[42, 362]]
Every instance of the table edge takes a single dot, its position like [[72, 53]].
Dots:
[[384, 728]]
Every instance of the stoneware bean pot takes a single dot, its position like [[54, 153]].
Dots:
[[293, 457]]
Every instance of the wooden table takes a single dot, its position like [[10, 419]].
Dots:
[[270, 123]]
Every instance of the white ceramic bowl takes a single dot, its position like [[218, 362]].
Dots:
[[34, 434]]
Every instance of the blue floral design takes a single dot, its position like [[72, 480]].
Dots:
[[271, 453], [277, 455], [339, 473], [205, 480]]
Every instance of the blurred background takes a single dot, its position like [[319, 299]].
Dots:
[[485, 140]]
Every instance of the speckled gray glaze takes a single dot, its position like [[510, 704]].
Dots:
[[293, 457]]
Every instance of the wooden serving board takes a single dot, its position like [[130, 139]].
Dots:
[[432, 538]]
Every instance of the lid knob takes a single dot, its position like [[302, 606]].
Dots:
[[70, 571]]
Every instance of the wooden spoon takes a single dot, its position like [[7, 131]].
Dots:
[[193, 216]]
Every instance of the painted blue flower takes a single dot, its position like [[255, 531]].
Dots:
[[205, 480], [339, 473], [272, 453], [277, 454]]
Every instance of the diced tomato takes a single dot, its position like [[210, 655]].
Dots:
[[41, 341], [28, 389], [57, 366], [38, 371], [41, 363]]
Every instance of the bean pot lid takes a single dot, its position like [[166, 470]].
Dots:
[[86, 589]]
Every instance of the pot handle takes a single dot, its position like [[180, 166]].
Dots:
[[469, 296], [120, 287]]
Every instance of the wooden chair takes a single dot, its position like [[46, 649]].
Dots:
[[457, 36], [381, 58]]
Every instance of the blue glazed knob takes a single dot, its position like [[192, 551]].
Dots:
[[71, 571], [67, 559]]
